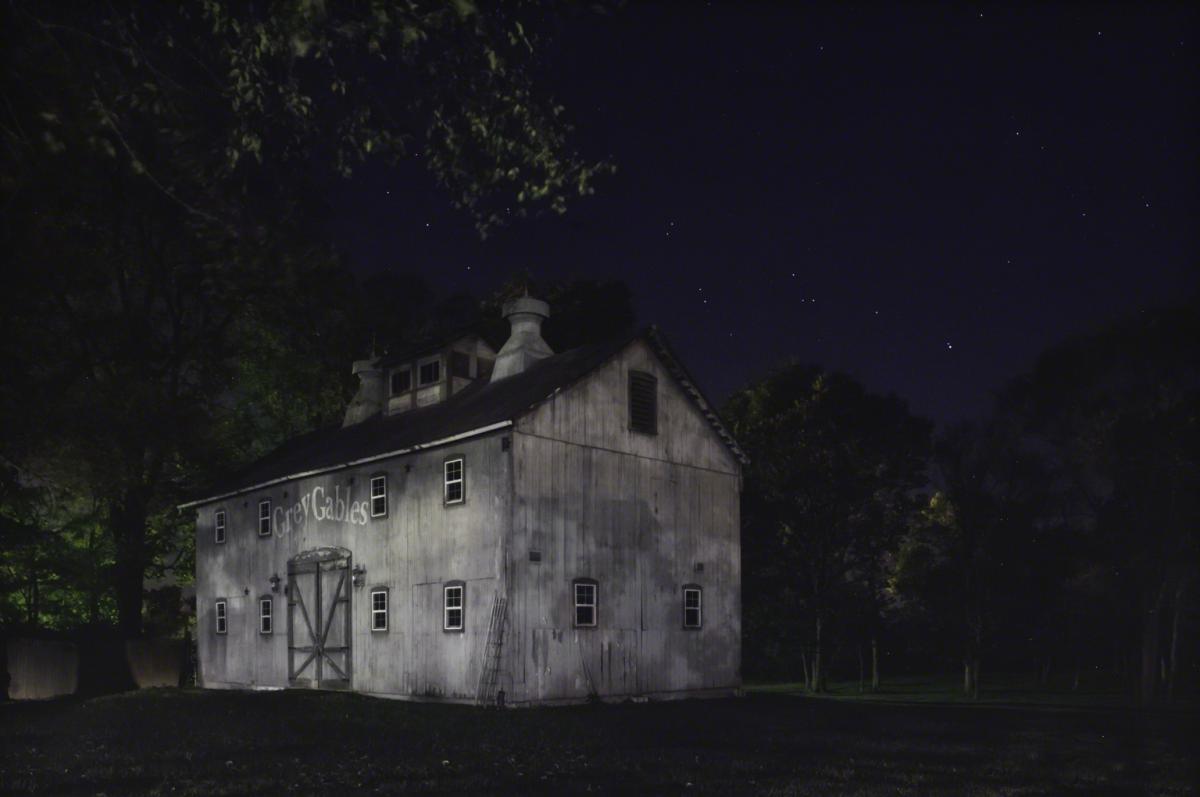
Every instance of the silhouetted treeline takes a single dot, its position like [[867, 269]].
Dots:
[[1061, 535]]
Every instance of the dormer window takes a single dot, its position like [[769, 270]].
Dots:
[[401, 380], [429, 372]]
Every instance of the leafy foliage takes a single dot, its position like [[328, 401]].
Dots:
[[168, 313], [831, 481]]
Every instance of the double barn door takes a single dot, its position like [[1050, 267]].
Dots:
[[318, 620]]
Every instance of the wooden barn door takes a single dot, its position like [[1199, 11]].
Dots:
[[319, 620]]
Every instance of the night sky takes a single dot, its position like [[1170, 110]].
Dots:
[[922, 197]]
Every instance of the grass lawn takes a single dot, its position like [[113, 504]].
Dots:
[[191, 742], [998, 690]]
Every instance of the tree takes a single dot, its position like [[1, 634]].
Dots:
[[157, 158], [832, 468], [1118, 411], [968, 553]]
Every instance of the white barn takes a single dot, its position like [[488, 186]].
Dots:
[[519, 527]]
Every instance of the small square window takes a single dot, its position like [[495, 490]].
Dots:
[[454, 480], [429, 373], [219, 526], [222, 619], [379, 610], [379, 506], [264, 518], [691, 607], [265, 615], [401, 380], [452, 614], [585, 603]]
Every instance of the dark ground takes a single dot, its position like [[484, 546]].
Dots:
[[220, 743]]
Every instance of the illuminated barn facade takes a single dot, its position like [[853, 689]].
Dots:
[[520, 527]]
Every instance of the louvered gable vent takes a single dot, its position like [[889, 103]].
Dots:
[[643, 402]]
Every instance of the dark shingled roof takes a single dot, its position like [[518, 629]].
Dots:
[[476, 406]]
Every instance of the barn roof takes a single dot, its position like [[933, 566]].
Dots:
[[477, 408]]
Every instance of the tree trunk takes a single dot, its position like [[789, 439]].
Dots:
[[94, 581], [1173, 670], [128, 522], [186, 677], [874, 664], [33, 610], [1151, 620], [804, 664], [862, 673], [971, 656], [818, 666]]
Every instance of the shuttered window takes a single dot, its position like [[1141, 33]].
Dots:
[[643, 402]]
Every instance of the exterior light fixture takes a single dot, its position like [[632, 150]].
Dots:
[[274, 582], [358, 574]]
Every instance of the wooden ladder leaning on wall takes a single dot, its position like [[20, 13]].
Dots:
[[489, 675]]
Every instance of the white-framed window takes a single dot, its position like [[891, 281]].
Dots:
[[266, 613], [264, 517], [379, 609], [401, 380], [222, 618], [452, 606], [586, 602], [692, 606], [429, 372], [454, 491], [379, 506], [219, 526]]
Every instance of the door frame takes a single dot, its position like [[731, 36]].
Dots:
[[316, 562]]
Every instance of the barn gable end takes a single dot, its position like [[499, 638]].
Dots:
[[594, 412], [641, 517]]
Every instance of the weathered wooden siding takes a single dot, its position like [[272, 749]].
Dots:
[[420, 545], [596, 416], [638, 513]]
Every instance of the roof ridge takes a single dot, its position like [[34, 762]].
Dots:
[[480, 407]]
